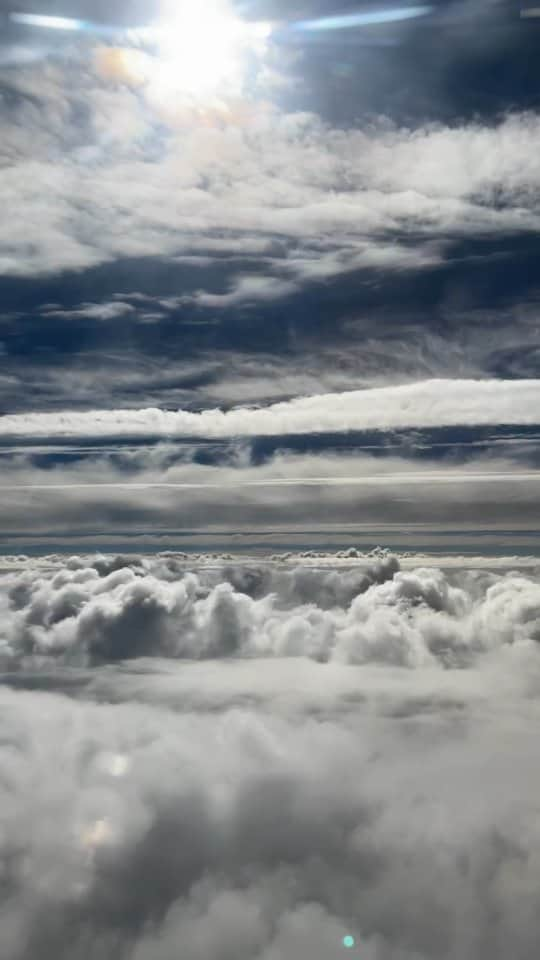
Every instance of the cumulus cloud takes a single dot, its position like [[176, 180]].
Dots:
[[314, 766], [432, 403], [87, 615]]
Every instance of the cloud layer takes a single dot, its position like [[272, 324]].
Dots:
[[431, 403], [228, 497], [129, 177], [326, 759]]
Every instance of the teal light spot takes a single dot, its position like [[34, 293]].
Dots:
[[348, 941]]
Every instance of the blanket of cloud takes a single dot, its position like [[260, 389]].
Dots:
[[215, 498], [250, 761]]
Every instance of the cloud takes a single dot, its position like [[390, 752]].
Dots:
[[313, 265], [93, 311], [365, 347], [227, 500], [113, 184], [257, 803], [246, 289], [432, 403], [414, 618]]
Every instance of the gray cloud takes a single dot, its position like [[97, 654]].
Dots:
[[410, 619], [160, 491]]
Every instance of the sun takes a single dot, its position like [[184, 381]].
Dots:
[[202, 50], [199, 64]]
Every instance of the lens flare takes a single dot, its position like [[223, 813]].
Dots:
[[96, 834], [365, 19], [50, 23]]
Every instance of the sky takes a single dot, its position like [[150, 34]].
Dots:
[[284, 268], [269, 480]]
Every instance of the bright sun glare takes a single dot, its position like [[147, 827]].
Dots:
[[202, 50]]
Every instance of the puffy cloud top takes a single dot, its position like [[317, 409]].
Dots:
[[379, 614], [228, 760]]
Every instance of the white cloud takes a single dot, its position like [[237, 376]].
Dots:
[[244, 289], [432, 403], [329, 198], [313, 265], [375, 614], [264, 809]]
